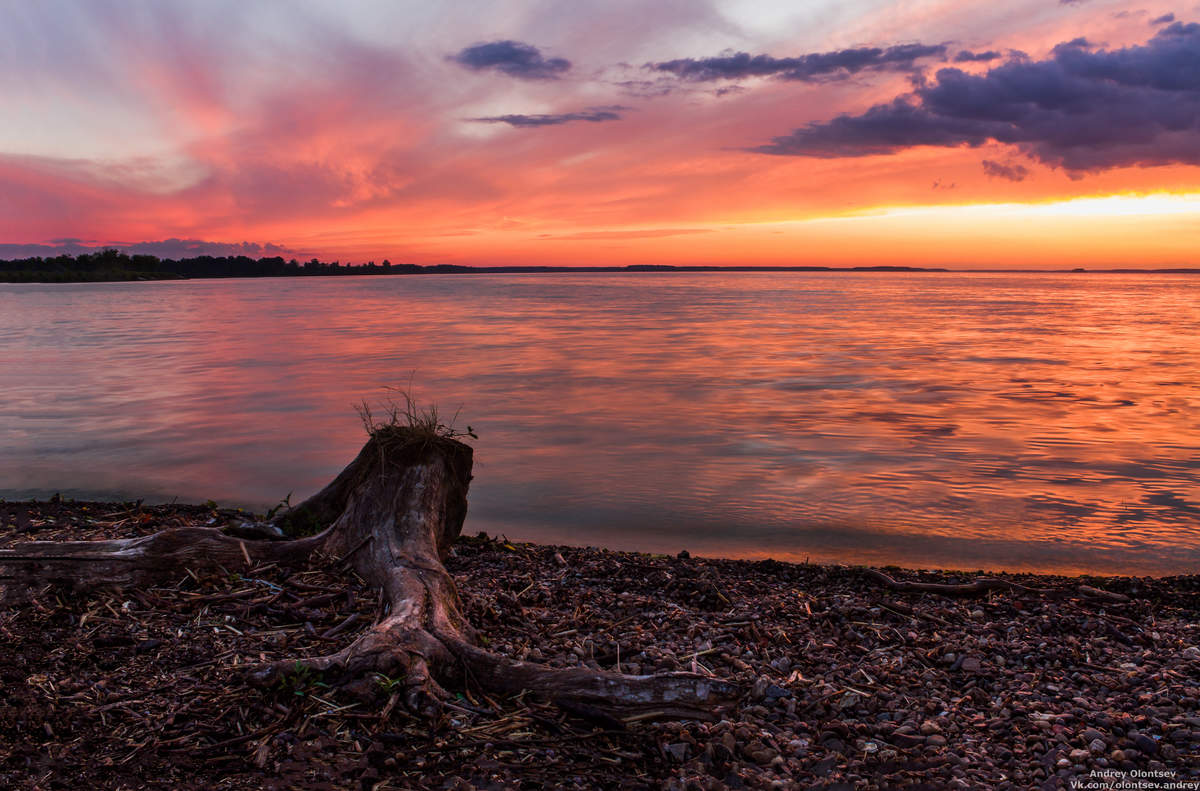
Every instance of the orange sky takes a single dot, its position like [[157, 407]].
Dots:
[[850, 133]]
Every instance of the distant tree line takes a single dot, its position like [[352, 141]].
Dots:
[[106, 265]]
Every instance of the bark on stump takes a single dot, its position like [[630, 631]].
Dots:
[[391, 516]]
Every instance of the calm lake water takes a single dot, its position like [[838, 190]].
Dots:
[[1047, 422]]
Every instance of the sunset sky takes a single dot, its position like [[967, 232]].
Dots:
[[1028, 133]]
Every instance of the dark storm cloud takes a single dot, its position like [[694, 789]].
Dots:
[[1081, 109], [1165, 19], [967, 56], [594, 114], [815, 66], [1009, 171], [513, 58]]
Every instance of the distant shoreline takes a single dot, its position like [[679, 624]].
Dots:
[[114, 266]]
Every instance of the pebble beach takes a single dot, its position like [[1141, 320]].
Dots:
[[848, 684]]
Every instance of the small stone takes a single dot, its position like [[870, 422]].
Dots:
[[977, 615], [971, 665], [936, 740], [833, 744], [759, 753], [683, 554], [1191, 652], [678, 751], [775, 692], [763, 756], [798, 747], [1079, 756], [929, 727], [1116, 756], [1091, 735], [907, 739], [1097, 746], [1145, 744]]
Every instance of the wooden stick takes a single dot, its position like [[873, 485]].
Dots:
[[983, 585]]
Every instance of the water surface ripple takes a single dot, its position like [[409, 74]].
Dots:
[[971, 420]]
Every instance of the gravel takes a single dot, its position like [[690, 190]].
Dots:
[[847, 684]]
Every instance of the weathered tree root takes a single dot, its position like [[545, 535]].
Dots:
[[983, 585], [391, 516], [133, 562]]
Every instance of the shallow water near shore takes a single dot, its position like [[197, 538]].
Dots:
[[1005, 421]]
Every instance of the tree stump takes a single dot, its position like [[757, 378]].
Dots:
[[391, 515]]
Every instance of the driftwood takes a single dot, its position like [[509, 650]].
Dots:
[[982, 585], [391, 517]]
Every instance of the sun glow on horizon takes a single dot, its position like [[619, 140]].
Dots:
[[1118, 205]]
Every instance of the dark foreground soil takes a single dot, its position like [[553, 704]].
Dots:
[[849, 685]]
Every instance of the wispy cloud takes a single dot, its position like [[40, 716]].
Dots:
[[808, 68], [1011, 171], [594, 114], [523, 61]]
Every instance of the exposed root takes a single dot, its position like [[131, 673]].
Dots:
[[664, 695], [400, 656], [83, 566], [389, 654]]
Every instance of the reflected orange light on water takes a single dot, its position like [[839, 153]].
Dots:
[[988, 420]]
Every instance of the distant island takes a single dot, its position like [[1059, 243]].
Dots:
[[113, 265]]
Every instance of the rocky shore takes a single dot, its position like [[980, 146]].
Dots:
[[849, 683]]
